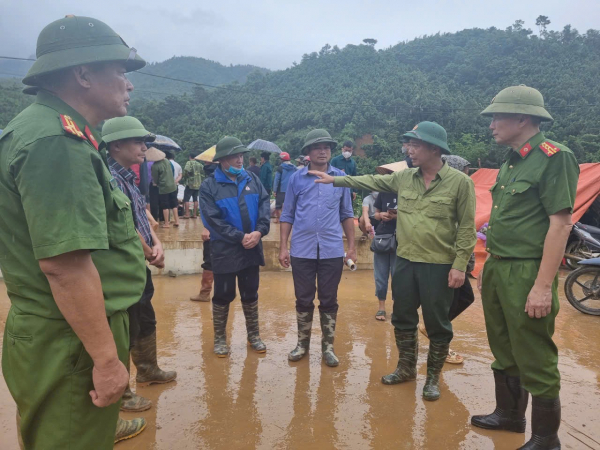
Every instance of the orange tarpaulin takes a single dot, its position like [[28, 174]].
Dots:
[[588, 189]]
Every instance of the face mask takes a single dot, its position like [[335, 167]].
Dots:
[[234, 170], [347, 155]]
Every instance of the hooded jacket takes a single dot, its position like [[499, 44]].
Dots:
[[230, 209], [282, 177]]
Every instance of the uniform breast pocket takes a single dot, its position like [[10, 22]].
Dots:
[[516, 200], [439, 207], [407, 201], [121, 227]]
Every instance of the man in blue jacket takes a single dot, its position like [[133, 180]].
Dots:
[[235, 209]]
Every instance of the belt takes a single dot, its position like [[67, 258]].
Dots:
[[509, 258]]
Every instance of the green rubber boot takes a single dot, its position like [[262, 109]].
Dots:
[[408, 349], [305, 320], [131, 402], [251, 314], [435, 361], [220, 314], [127, 429], [143, 354], [328, 322]]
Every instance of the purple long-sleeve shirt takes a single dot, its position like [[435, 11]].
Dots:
[[316, 212]]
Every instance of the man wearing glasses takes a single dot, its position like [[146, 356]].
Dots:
[[436, 235], [318, 214]]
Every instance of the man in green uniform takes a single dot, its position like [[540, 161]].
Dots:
[[436, 236], [69, 252], [193, 175], [162, 176], [530, 222]]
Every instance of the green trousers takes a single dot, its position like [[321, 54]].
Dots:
[[417, 284], [522, 346], [49, 374]]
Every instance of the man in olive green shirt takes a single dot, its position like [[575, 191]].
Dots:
[[162, 176], [530, 222], [69, 252], [193, 176], [436, 236]]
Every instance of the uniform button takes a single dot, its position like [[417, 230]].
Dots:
[[487, 249], [489, 227], [510, 167], [513, 191], [496, 207], [501, 187]]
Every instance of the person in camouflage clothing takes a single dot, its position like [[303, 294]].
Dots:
[[193, 176]]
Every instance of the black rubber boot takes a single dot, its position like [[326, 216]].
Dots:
[[545, 421], [511, 403]]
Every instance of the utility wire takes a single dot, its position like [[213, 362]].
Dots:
[[314, 100]]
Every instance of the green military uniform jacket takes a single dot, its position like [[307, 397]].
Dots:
[[537, 181], [193, 174], [435, 225], [57, 196], [162, 176]]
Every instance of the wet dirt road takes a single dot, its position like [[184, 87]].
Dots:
[[252, 401]]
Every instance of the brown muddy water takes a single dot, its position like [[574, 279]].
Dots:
[[249, 401]]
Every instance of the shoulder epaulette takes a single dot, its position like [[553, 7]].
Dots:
[[71, 127], [549, 149]]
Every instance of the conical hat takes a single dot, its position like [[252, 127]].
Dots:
[[391, 168], [153, 155]]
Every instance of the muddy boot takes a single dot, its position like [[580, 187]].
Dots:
[[328, 321], [251, 314], [126, 429], [143, 355], [511, 403], [545, 421], [408, 349], [435, 361], [131, 402], [206, 287], [305, 320], [220, 313]]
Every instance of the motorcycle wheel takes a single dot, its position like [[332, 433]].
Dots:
[[582, 288]]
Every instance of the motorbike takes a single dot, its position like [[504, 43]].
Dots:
[[582, 287], [583, 243]]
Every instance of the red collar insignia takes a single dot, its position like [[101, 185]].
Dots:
[[549, 149], [91, 137], [525, 150]]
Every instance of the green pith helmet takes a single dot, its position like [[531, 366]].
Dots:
[[74, 41], [228, 146], [124, 128], [316, 137], [518, 100], [430, 132]]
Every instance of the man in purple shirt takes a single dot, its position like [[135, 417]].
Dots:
[[317, 213]]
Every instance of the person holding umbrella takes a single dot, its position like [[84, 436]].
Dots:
[[235, 210]]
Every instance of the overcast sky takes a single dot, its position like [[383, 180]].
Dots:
[[272, 33]]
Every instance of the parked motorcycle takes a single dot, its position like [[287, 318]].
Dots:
[[582, 287], [583, 243]]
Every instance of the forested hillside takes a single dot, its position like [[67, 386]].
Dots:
[[359, 90]]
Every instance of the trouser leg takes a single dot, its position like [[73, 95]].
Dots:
[[435, 297], [405, 292], [329, 275], [147, 316], [224, 286], [381, 272], [248, 282], [49, 374], [304, 274]]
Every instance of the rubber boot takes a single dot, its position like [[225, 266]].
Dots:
[[127, 429], [511, 403], [435, 361], [545, 421], [220, 314], [251, 314], [328, 321], [205, 287], [408, 349], [305, 320], [143, 355], [132, 402]]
